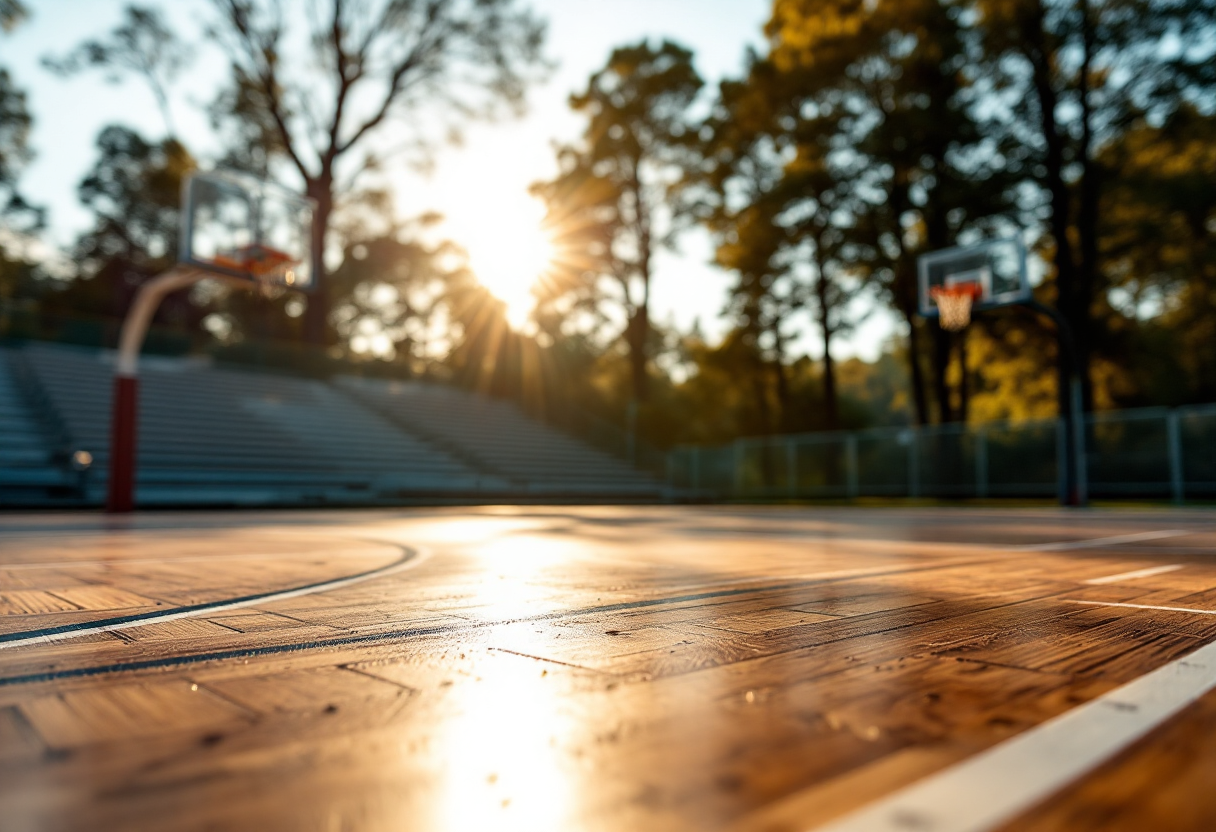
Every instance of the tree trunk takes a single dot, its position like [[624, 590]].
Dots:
[[937, 237], [785, 422], [640, 323], [905, 290], [316, 314], [830, 396], [830, 405], [638, 332], [964, 383], [1057, 187], [1087, 217], [941, 366]]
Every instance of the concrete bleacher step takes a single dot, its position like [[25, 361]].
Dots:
[[217, 436], [500, 437], [29, 472]]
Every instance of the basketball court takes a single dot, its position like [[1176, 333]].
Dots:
[[658, 668]]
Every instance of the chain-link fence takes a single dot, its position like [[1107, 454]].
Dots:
[[1155, 453]]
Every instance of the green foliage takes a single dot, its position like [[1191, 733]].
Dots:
[[142, 44], [15, 151], [876, 132], [12, 12], [314, 95], [15, 122], [398, 298], [19, 281], [618, 198], [134, 192], [1069, 80], [1158, 247], [865, 134]]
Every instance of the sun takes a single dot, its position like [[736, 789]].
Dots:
[[509, 250]]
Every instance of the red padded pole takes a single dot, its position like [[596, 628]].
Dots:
[[120, 496]]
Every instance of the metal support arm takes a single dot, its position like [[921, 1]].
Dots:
[[120, 494]]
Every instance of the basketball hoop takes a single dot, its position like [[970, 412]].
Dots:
[[269, 267], [228, 224], [953, 283], [954, 304]]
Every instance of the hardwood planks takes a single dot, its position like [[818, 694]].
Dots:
[[583, 669]]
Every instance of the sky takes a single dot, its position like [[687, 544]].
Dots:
[[469, 184]]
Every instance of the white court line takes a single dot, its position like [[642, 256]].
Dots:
[[1097, 542], [1138, 606], [994, 786], [1139, 573], [420, 555]]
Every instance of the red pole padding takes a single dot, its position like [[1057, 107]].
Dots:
[[121, 496]]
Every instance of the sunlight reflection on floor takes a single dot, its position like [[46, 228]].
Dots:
[[503, 759]]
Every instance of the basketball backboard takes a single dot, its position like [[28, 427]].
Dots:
[[993, 274], [237, 226]]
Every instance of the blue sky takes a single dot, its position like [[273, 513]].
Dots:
[[69, 113]]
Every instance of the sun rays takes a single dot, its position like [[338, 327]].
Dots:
[[509, 249]]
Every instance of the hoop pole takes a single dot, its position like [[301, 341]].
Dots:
[[120, 493], [1076, 492]]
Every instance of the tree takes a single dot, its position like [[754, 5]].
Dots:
[[779, 204], [738, 180], [12, 12], [394, 296], [142, 44], [617, 200], [1077, 74], [134, 192], [15, 152], [368, 66], [883, 89], [15, 122], [1157, 241]]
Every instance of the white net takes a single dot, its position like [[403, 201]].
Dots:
[[954, 306]]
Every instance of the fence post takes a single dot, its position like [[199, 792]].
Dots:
[[850, 463], [738, 465], [981, 462], [1062, 460], [1173, 432], [791, 466], [913, 462], [1081, 465]]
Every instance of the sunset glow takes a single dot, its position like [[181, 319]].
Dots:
[[508, 248]]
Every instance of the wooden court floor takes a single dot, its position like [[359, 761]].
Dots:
[[654, 668]]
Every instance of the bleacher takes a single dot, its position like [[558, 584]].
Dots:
[[497, 436], [29, 469], [215, 436]]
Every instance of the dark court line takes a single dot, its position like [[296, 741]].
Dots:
[[417, 632]]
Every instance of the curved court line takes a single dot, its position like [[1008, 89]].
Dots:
[[435, 629], [71, 564], [410, 558], [993, 787], [372, 638]]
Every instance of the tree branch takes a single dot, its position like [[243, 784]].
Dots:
[[260, 48], [426, 42]]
